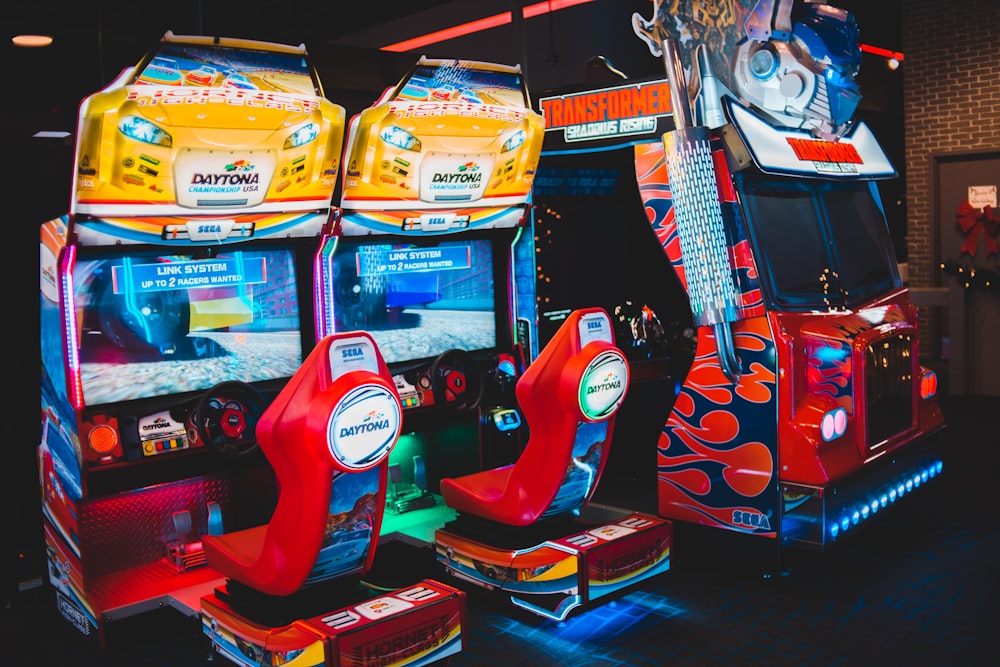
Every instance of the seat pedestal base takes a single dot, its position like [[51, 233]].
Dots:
[[593, 557], [425, 620]]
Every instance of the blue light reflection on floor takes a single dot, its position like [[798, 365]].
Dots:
[[586, 639], [603, 622]]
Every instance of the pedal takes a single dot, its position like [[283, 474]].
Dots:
[[411, 503], [187, 556]]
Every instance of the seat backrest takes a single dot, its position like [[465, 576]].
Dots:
[[568, 396], [327, 435]]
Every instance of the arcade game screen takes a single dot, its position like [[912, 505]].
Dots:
[[417, 299], [597, 248], [156, 325]]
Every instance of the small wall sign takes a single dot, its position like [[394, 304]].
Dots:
[[981, 196]]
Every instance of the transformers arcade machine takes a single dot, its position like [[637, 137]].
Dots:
[[433, 254], [806, 413], [176, 303]]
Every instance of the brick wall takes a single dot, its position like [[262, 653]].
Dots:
[[951, 104]]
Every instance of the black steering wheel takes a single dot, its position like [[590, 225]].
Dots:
[[456, 380], [226, 418]]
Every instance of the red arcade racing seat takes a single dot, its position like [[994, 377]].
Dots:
[[327, 435], [569, 396]]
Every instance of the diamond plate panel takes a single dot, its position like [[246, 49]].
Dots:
[[132, 528]]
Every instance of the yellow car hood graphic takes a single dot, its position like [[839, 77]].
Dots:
[[217, 108]]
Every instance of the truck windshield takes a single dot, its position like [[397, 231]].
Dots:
[[819, 244]]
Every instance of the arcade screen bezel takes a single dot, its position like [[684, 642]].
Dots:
[[840, 214], [500, 245], [302, 256]]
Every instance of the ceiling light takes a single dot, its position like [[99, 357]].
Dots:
[[31, 40]]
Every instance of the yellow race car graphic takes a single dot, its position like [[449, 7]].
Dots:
[[451, 134], [209, 126]]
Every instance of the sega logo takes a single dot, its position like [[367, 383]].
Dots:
[[752, 519], [595, 325], [355, 352], [209, 230], [435, 221]]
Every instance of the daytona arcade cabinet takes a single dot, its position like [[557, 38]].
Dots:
[[175, 300], [176, 303], [806, 413], [434, 256]]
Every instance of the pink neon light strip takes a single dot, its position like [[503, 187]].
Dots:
[[879, 51], [530, 11]]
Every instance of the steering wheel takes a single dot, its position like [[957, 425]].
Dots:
[[456, 374], [226, 418]]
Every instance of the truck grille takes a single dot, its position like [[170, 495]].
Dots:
[[888, 388]]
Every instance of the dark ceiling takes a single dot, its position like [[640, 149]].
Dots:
[[101, 37], [95, 40], [310, 21], [306, 20]]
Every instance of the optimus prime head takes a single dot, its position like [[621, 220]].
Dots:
[[804, 79]]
